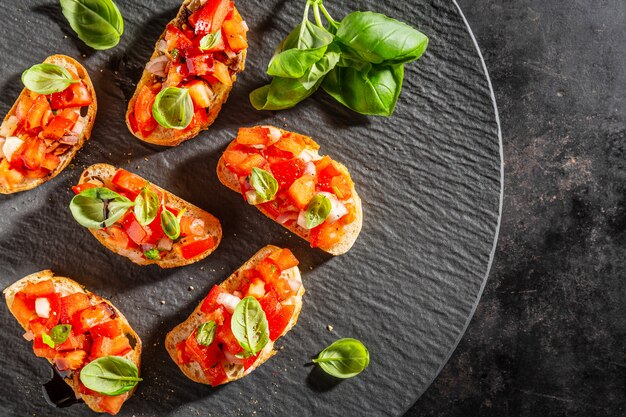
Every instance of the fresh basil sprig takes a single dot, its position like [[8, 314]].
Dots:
[[100, 207], [344, 358], [358, 61], [249, 326], [317, 211], [60, 333], [173, 108], [264, 184], [206, 333], [98, 23], [110, 375], [46, 339], [209, 41], [146, 206], [47, 78], [170, 223]]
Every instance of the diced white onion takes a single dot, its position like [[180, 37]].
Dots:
[[337, 211], [162, 46], [308, 155], [197, 227], [274, 134], [157, 66], [42, 307], [258, 146], [164, 244], [256, 289], [294, 284], [229, 301], [8, 126], [302, 219], [79, 126], [309, 169], [285, 217], [232, 358], [28, 335], [11, 144], [69, 140], [147, 246], [253, 198]]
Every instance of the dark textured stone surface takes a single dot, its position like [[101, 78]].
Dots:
[[429, 178], [549, 335]]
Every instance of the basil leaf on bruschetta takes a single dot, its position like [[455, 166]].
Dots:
[[60, 333], [306, 180], [173, 108], [47, 78], [244, 331], [264, 184], [165, 230], [98, 23], [110, 375], [344, 358]]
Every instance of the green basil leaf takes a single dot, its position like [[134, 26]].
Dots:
[[317, 211], [60, 333], [210, 40], [264, 184], [146, 206], [173, 108], [283, 93], [249, 326], [47, 340], [47, 78], [152, 254], [206, 333], [170, 224], [96, 208], [344, 358], [380, 39], [110, 375], [98, 23], [302, 48], [372, 91]]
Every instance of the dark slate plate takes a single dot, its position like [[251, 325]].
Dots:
[[429, 177]]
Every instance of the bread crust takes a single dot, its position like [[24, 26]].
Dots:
[[66, 158], [352, 230], [184, 329], [168, 137], [69, 286], [105, 173]]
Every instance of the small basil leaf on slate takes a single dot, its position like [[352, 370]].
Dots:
[[344, 358]]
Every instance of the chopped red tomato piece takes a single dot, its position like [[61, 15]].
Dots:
[[70, 360], [42, 350], [253, 136], [176, 39], [216, 375], [221, 72], [76, 95], [36, 112], [200, 93], [201, 64], [235, 34], [291, 143], [275, 155], [23, 307], [118, 238], [212, 16], [284, 259], [39, 289], [268, 270], [195, 248], [33, 153], [112, 404], [129, 181], [209, 304], [50, 162], [92, 316], [104, 346], [326, 235], [302, 191], [252, 161], [248, 362], [278, 315], [143, 111], [23, 106], [286, 172], [57, 128], [82, 187], [225, 336], [74, 342], [205, 356], [110, 329], [135, 231], [72, 304]]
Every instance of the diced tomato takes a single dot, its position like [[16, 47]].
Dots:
[[278, 315], [154, 229], [341, 186], [275, 155], [191, 226], [252, 161], [23, 106], [57, 127], [112, 404], [200, 93], [284, 259], [74, 342], [212, 16], [220, 71], [326, 235], [135, 231], [176, 39], [176, 74], [268, 270], [110, 329], [118, 238], [132, 120], [9, 177], [200, 118], [329, 170], [104, 346], [195, 248], [54, 313], [36, 173], [286, 172], [82, 187], [233, 159], [225, 335], [70, 113], [38, 326], [235, 35], [248, 362], [70, 360], [129, 181], [253, 136], [76, 95], [42, 350], [23, 307], [47, 116], [39, 289], [302, 191], [143, 111], [72, 304], [350, 216], [34, 152], [256, 289], [216, 375], [193, 18], [181, 355], [206, 356], [36, 112], [201, 64], [291, 143], [91, 316], [50, 162], [209, 304]]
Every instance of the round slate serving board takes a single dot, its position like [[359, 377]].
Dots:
[[429, 177]]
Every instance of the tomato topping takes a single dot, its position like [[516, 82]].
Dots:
[[112, 404], [50, 162], [33, 153], [209, 303], [23, 106], [82, 187], [118, 238], [73, 342], [252, 161], [70, 360], [212, 16], [57, 128], [253, 136], [39, 289], [235, 34], [201, 64], [225, 336], [176, 39], [92, 316], [23, 307], [42, 350], [216, 375], [72, 304], [110, 329], [286, 172], [302, 191], [76, 95], [275, 155], [197, 247], [205, 356], [135, 231], [326, 235], [200, 93], [284, 259], [104, 346], [248, 362], [143, 111], [278, 315], [221, 72], [291, 143], [36, 112], [268, 270], [129, 181]]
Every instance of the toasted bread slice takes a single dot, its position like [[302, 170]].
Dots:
[[181, 332], [67, 286], [172, 137], [74, 66], [105, 173], [352, 230]]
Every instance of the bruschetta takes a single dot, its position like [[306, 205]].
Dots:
[[71, 328], [285, 177], [199, 55], [41, 133], [268, 290], [176, 233]]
